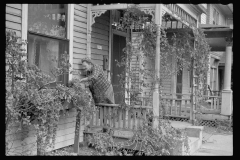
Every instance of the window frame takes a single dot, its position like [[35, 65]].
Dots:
[[69, 31], [215, 16]]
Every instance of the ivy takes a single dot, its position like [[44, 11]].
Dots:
[[31, 101], [187, 48]]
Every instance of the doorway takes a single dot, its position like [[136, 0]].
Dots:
[[119, 42], [179, 83]]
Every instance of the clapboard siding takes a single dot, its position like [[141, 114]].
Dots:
[[14, 18], [81, 7], [100, 36], [79, 35], [166, 79], [24, 141], [186, 85]]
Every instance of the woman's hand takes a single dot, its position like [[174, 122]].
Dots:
[[83, 79]]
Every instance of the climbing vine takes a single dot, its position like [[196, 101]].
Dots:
[[185, 49], [32, 101]]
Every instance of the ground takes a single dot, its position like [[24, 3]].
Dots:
[[85, 151]]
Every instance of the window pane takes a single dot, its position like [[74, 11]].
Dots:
[[48, 19], [41, 50]]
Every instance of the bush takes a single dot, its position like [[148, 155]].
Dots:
[[30, 101], [164, 140]]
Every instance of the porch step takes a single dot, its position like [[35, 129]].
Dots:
[[194, 144], [194, 134]]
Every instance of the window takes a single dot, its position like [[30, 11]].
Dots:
[[215, 17], [47, 36], [213, 74], [203, 18]]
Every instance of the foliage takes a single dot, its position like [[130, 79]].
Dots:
[[164, 140], [182, 50], [31, 100]]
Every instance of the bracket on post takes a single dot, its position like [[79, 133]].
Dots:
[[96, 14]]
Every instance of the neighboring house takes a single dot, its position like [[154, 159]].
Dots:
[[218, 16], [218, 27], [86, 30]]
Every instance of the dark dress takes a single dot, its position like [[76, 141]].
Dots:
[[101, 88]]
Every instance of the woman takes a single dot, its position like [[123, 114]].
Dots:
[[101, 88]]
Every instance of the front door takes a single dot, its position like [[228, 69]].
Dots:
[[119, 42], [179, 84]]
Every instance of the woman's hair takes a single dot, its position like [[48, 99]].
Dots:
[[88, 60]]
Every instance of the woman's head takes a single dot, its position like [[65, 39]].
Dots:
[[87, 64]]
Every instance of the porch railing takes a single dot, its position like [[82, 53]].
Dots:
[[180, 107], [114, 116]]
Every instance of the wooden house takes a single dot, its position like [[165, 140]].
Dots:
[[88, 30]]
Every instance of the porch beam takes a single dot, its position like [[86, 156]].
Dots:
[[176, 16], [119, 6]]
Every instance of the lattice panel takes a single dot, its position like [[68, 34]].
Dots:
[[207, 123], [200, 122]]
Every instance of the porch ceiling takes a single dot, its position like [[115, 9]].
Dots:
[[216, 31], [217, 44], [216, 35]]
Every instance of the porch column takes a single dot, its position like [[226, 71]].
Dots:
[[158, 21], [226, 108]]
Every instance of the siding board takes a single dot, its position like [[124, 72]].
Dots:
[[96, 51], [100, 26], [79, 40], [80, 24], [100, 36], [80, 8], [12, 25], [80, 13], [78, 56], [104, 47], [16, 6], [80, 29], [100, 41], [13, 11], [80, 45], [13, 18]]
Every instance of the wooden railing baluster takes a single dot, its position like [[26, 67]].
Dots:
[[98, 117], [139, 118], [109, 116], [174, 107], [129, 118], [119, 117], [211, 103], [104, 116], [101, 116], [114, 117], [134, 119], [124, 118], [180, 108]]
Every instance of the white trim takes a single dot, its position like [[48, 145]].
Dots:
[[70, 35], [24, 21], [89, 30], [188, 10], [110, 48], [24, 26], [176, 16]]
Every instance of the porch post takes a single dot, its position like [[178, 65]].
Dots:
[[158, 21], [226, 108]]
